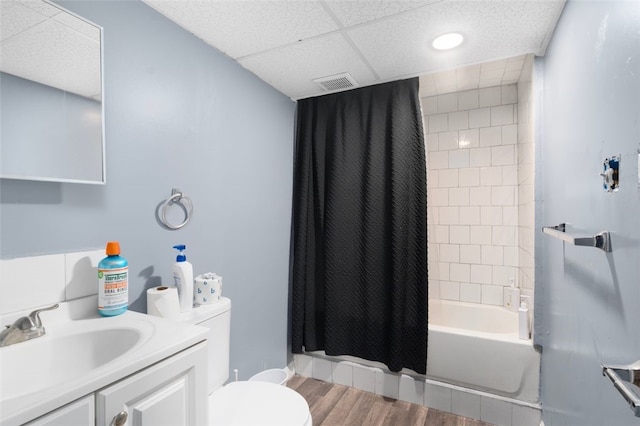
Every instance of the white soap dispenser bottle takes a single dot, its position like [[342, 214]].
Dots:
[[183, 278], [513, 296], [524, 328]]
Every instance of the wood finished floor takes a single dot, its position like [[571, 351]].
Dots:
[[337, 405]]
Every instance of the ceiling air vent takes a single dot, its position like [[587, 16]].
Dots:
[[336, 82]]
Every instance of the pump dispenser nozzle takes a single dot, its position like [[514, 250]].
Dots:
[[181, 257]]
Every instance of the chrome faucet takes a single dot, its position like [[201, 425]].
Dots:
[[24, 328]]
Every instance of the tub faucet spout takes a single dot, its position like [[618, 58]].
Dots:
[[24, 328]]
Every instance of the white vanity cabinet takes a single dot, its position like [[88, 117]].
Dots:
[[172, 392], [80, 412]]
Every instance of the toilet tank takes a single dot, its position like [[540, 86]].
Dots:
[[217, 318]]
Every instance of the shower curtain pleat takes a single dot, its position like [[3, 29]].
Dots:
[[359, 255]]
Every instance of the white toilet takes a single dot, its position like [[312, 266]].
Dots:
[[242, 403]]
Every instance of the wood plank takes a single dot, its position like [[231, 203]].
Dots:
[[314, 387], [440, 418], [417, 415], [343, 407], [338, 405], [376, 415], [361, 407], [322, 407], [473, 422], [295, 382], [397, 416]]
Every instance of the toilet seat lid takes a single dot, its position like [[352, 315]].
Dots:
[[257, 403]]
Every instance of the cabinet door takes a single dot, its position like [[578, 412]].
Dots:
[[172, 392], [77, 413]]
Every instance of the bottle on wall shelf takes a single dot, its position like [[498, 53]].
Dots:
[[524, 329], [113, 282], [183, 278]]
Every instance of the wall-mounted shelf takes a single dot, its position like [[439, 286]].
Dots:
[[626, 379], [601, 240]]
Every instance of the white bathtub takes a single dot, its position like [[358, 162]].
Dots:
[[477, 347]]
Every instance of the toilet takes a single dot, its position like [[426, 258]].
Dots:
[[242, 403]]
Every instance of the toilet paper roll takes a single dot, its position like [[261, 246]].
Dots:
[[163, 302], [208, 288]]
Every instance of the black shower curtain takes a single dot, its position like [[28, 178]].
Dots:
[[359, 273]]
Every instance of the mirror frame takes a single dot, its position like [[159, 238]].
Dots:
[[103, 179]]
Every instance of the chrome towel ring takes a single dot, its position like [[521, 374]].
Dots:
[[177, 197]]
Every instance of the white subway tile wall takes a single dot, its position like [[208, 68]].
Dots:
[[37, 281], [386, 384], [430, 393], [465, 404], [342, 373], [474, 192], [526, 175], [363, 378], [322, 369], [437, 397], [31, 282], [411, 390], [82, 273], [495, 411]]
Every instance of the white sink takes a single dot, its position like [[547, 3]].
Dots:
[[80, 353], [49, 360]]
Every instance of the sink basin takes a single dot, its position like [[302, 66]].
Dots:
[[46, 361], [81, 353]]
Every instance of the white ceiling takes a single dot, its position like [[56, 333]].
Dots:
[[289, 43], [42, 43]]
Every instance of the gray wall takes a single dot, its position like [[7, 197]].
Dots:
[[179, 114], [591, 109]]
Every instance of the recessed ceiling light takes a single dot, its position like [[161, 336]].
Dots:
[[447, 41]]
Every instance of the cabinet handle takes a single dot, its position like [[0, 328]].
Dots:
[[120, 419]]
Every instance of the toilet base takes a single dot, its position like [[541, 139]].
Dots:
[[258, 403]]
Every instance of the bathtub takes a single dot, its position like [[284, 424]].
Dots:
[[477, 346]]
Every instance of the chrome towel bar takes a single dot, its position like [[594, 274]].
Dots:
[[601, 240], [626, 379]]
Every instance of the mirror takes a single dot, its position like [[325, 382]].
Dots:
[[51, 110]]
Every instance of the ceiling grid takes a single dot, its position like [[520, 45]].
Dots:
[[289, 43]]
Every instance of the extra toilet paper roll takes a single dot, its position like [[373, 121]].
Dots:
[[163, 302], [208, 288]]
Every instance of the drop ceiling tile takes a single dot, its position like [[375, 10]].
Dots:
[[41, 7], [79, 25], [357, 12], [291, 69], [67, 60], [15, 18], [507, 28], [241, 28]]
